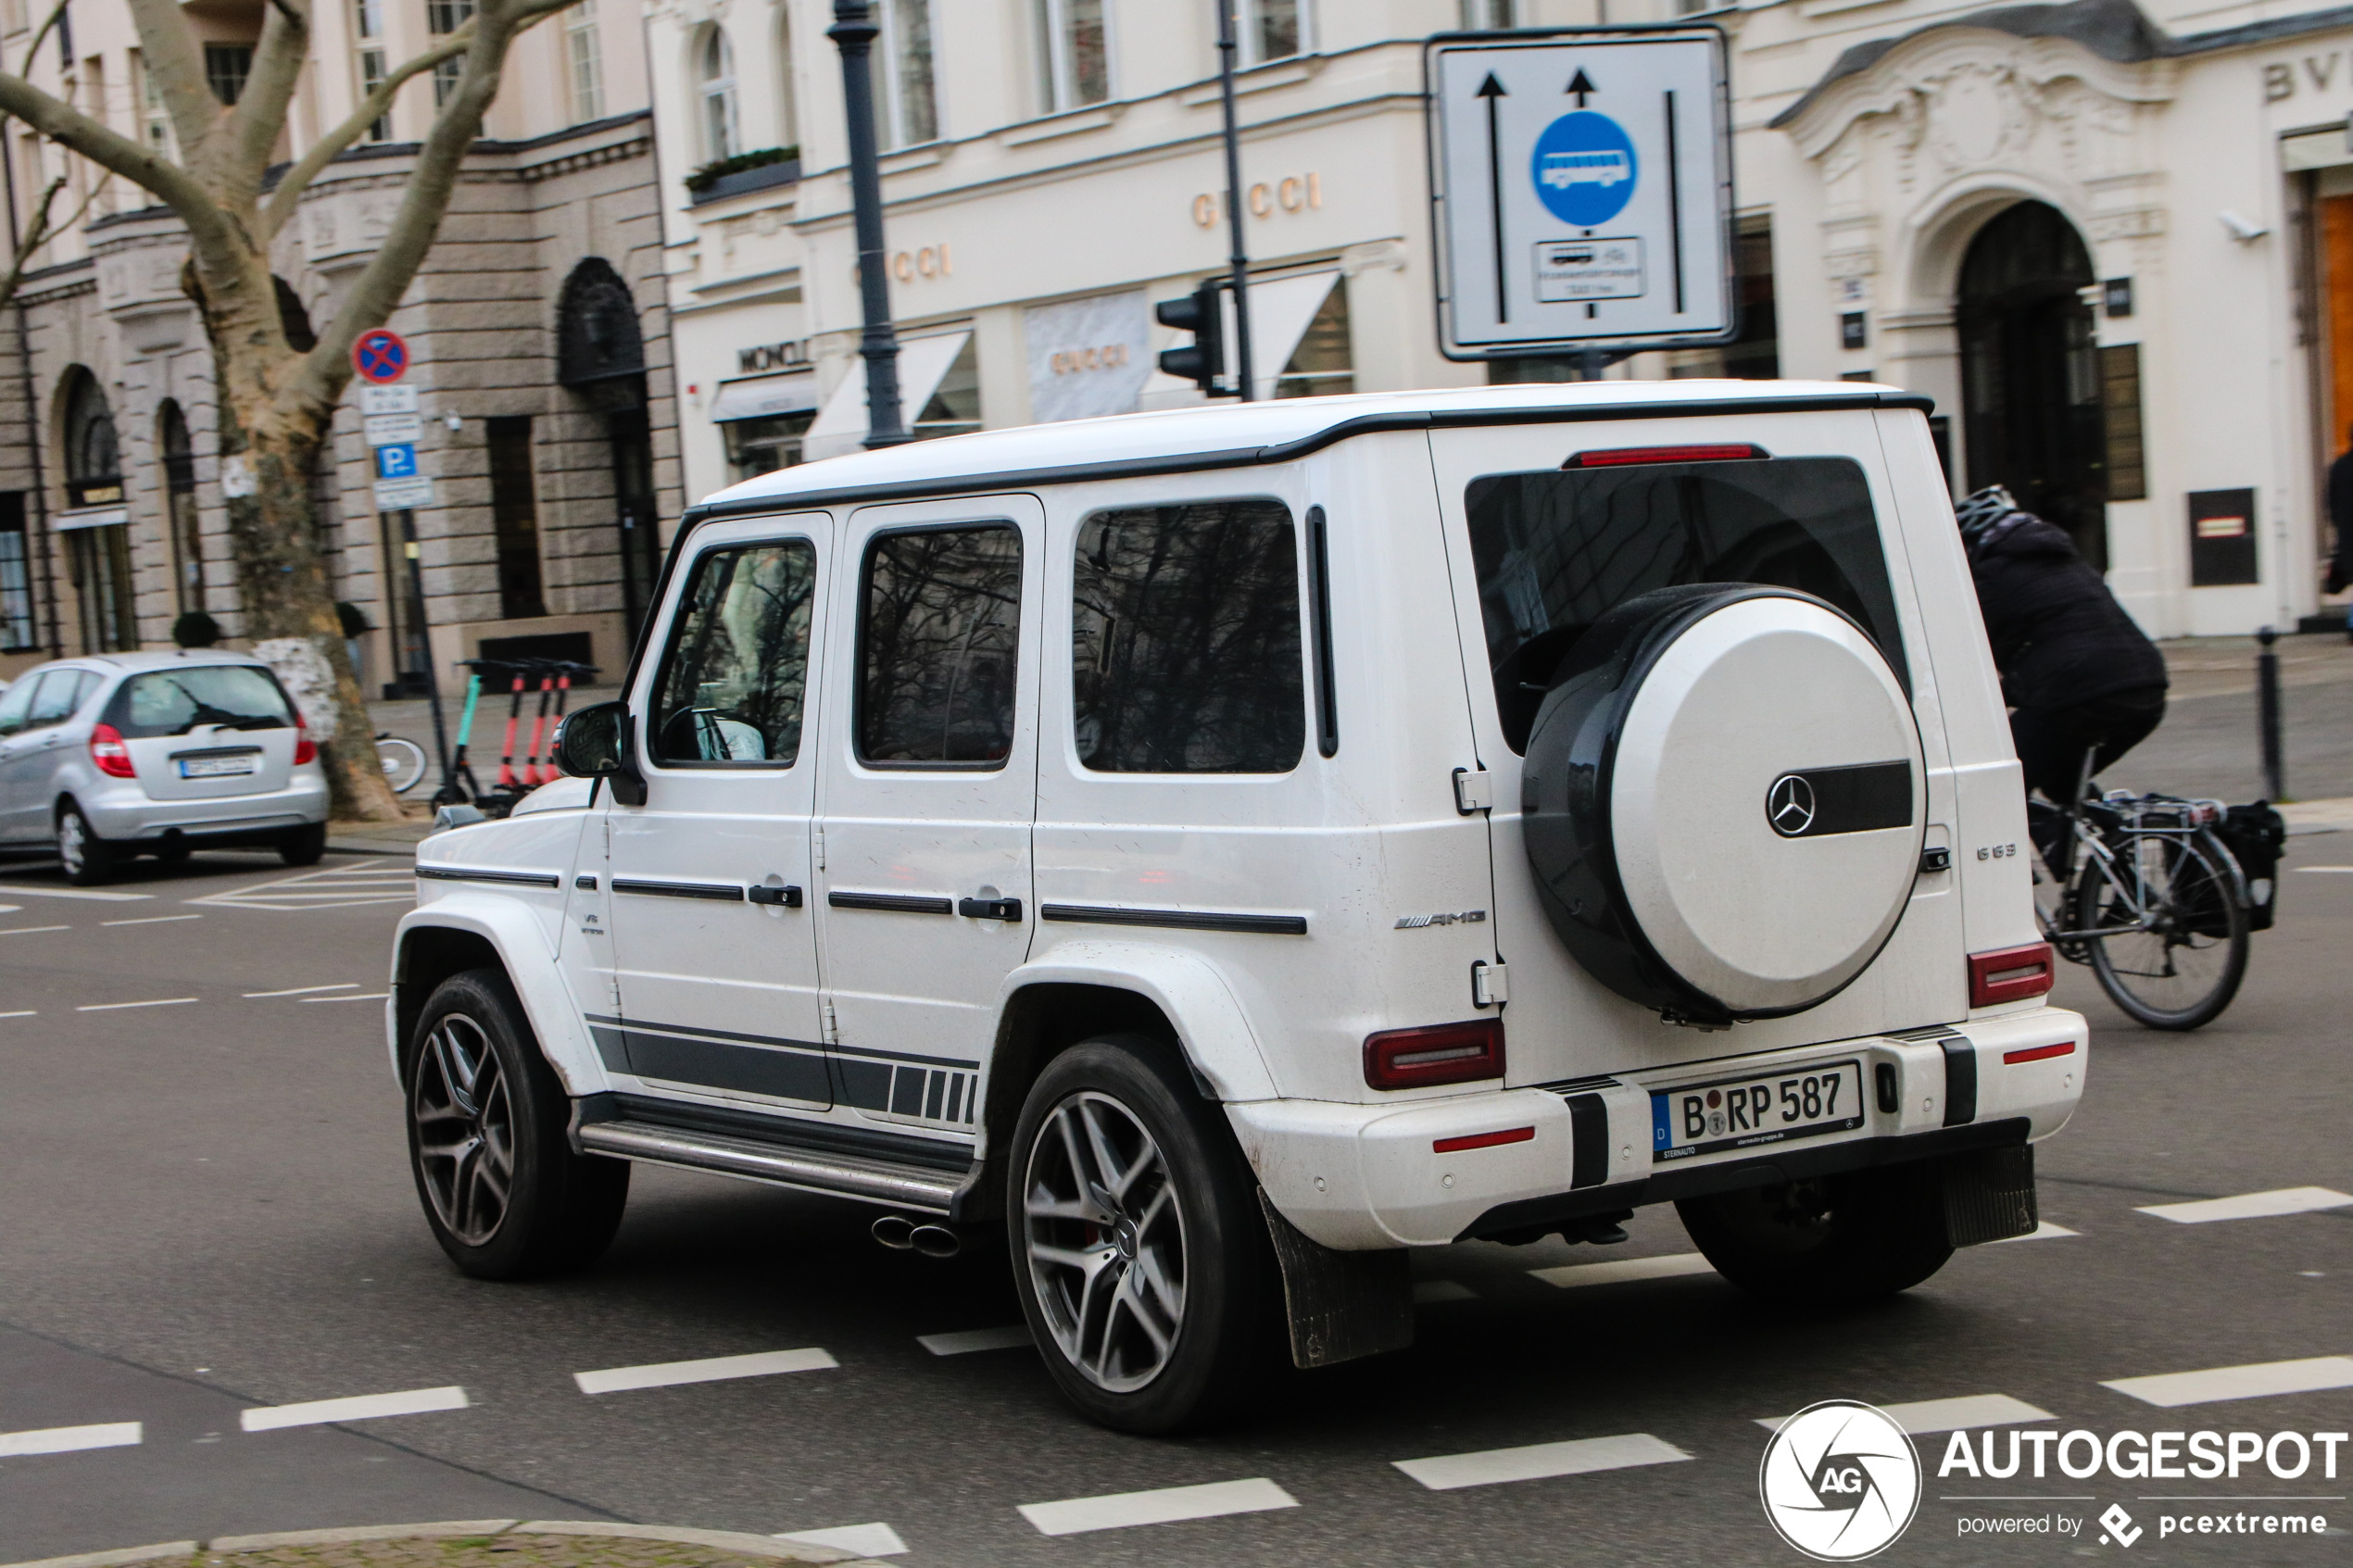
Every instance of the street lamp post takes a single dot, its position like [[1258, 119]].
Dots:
[[853, 33], [1238, 262]]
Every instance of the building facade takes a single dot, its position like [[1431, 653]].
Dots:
[[537, 329], [2114, 243]]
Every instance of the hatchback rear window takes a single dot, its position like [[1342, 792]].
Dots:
[[172, 702], [1556, 550]]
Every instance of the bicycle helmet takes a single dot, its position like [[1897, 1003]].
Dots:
[[1981, 511]]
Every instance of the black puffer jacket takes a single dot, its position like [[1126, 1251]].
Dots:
[[2059, 637]]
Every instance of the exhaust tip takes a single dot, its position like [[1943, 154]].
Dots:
[[896, 1232], [936, 1241]]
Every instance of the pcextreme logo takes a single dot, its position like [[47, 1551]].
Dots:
[[1841, 1481]]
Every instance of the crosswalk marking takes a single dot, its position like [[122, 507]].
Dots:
[[964, 1341], [2253, 1381], [151, 919], [334, 888], [2044, 1232], [362, 1407], [1568, 1275], [1579, 1455], [72, 1439], [715, 1368], [13, 891], [2250, 1206], [363, 996], [1925, 1416], [302, 990], [117, 1006], [32, 930], [861, 1540], [1118, 1510]]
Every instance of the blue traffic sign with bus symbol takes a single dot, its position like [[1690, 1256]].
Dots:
[[397, 463], [1584, 168], [381, 356]]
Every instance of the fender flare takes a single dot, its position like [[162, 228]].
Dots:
[[520, 939], [1211, 1026]]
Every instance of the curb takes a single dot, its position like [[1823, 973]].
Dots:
[[744, 1545]]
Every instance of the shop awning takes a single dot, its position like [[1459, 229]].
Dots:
[[840, 426], [89, 517], [764, 397]]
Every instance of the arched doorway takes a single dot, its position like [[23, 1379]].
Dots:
[[601, 355], [2029, 371], [96, 523]]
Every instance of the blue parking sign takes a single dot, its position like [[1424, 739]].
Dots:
[[397, 463]]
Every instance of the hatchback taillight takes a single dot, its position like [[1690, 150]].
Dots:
[[1437, 1053], [306, 749], [2011, 974], [108, 751]]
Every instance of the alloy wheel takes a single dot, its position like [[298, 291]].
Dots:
[[465, 1130], [1104, 1235], [74, 842]]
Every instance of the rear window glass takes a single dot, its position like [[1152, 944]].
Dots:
[[1556, 550], [173, 702]]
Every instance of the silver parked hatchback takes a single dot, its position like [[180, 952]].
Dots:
[[123, 754]]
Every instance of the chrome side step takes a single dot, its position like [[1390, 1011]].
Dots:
[[843, 1175]]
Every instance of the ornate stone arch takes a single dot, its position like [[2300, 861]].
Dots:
[[597, 338]]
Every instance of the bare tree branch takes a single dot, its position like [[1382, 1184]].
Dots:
[[210, 230], [171, 56], [41, 32], [259, 114], [324, 151], [37, 234]]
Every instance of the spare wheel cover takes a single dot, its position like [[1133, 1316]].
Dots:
[[1762, 796]]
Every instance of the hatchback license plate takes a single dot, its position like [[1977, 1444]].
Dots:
[[214, 767], [1801, 1102]]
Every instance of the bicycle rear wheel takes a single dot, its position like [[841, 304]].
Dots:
[[404, 763], [2176, 961]]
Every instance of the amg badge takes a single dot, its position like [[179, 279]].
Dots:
[[1415, 923]]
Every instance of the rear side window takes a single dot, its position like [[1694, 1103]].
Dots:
[[173, 702], [735, 681], [938, 646], [1185, 653], [1556, 550]]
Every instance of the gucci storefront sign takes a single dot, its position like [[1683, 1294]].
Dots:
[[1088, 357]]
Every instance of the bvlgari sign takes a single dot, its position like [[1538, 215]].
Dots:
[[1088, 357]]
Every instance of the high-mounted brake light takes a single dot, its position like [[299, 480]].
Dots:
[[1627, 457], [306, 749], [2010, 974], [1437, 1053], [108, 751]]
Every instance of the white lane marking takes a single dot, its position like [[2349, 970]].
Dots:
[[150, 920], [860, 1540], [2250, 1206], [28, 1014], [966, 1340], [1568, 1275], [71, 1440], [335, 887], [2324, 868], [1118, 1510], [11, 908], [13, 891], [117, 1006], [1430, 1290], [662, 1374], [1579, 1457], [2253, 1381], [302, 990], [360, 1407], [366, 997], [2044, 1232], [1950, 1416], [29, 930]]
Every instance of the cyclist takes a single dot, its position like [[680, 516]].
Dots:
[[2077, 674]]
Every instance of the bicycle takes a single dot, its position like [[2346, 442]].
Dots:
[[2149, 896], [404, 761]]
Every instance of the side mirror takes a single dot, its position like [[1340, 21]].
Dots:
[[593, 743]]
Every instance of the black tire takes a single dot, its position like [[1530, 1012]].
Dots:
[[171, 852], [305, 845], [2182, 973], [477, 1091], [85, 858], [1844, 1238], [1229, 1291]]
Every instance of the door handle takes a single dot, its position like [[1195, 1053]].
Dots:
[[989, 909], [785, 897]]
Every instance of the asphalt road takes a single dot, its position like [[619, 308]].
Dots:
[[208, 1211]]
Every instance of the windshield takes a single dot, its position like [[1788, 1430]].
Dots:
[[1556, 550], [173, 702]]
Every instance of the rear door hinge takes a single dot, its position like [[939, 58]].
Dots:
[[1474, 790], [817, 846], [833, 1029], [1490, 984]]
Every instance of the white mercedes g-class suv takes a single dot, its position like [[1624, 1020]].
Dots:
[[1226, 848]]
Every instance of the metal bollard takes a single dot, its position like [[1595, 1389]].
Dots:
[[2267, 686]]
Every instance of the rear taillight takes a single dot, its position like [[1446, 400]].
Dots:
[[1437, 1053], [306, 749], [108, 751], [2013, 975]]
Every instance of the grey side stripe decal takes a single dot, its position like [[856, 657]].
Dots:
[[929, 1089]]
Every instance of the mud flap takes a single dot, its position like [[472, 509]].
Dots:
[[1342, 1305], [1989, 1195]]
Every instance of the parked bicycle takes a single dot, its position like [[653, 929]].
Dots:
[[404, 761]]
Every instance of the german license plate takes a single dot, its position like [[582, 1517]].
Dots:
[[214, 767], [1800, 1102]]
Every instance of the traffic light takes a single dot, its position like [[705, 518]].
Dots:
[[1203, 361]]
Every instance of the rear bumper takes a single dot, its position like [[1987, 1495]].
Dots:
[[130, 815], [1364, 1176]]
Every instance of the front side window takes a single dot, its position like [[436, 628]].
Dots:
[[734, 684], [60, 693], [1185, 653], [173, 702], [938, 646], [1074, 66], [722, 134], [15, 703], [1556, 550], [906, 99]]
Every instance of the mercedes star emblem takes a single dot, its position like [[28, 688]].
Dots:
[[1789, 805]]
